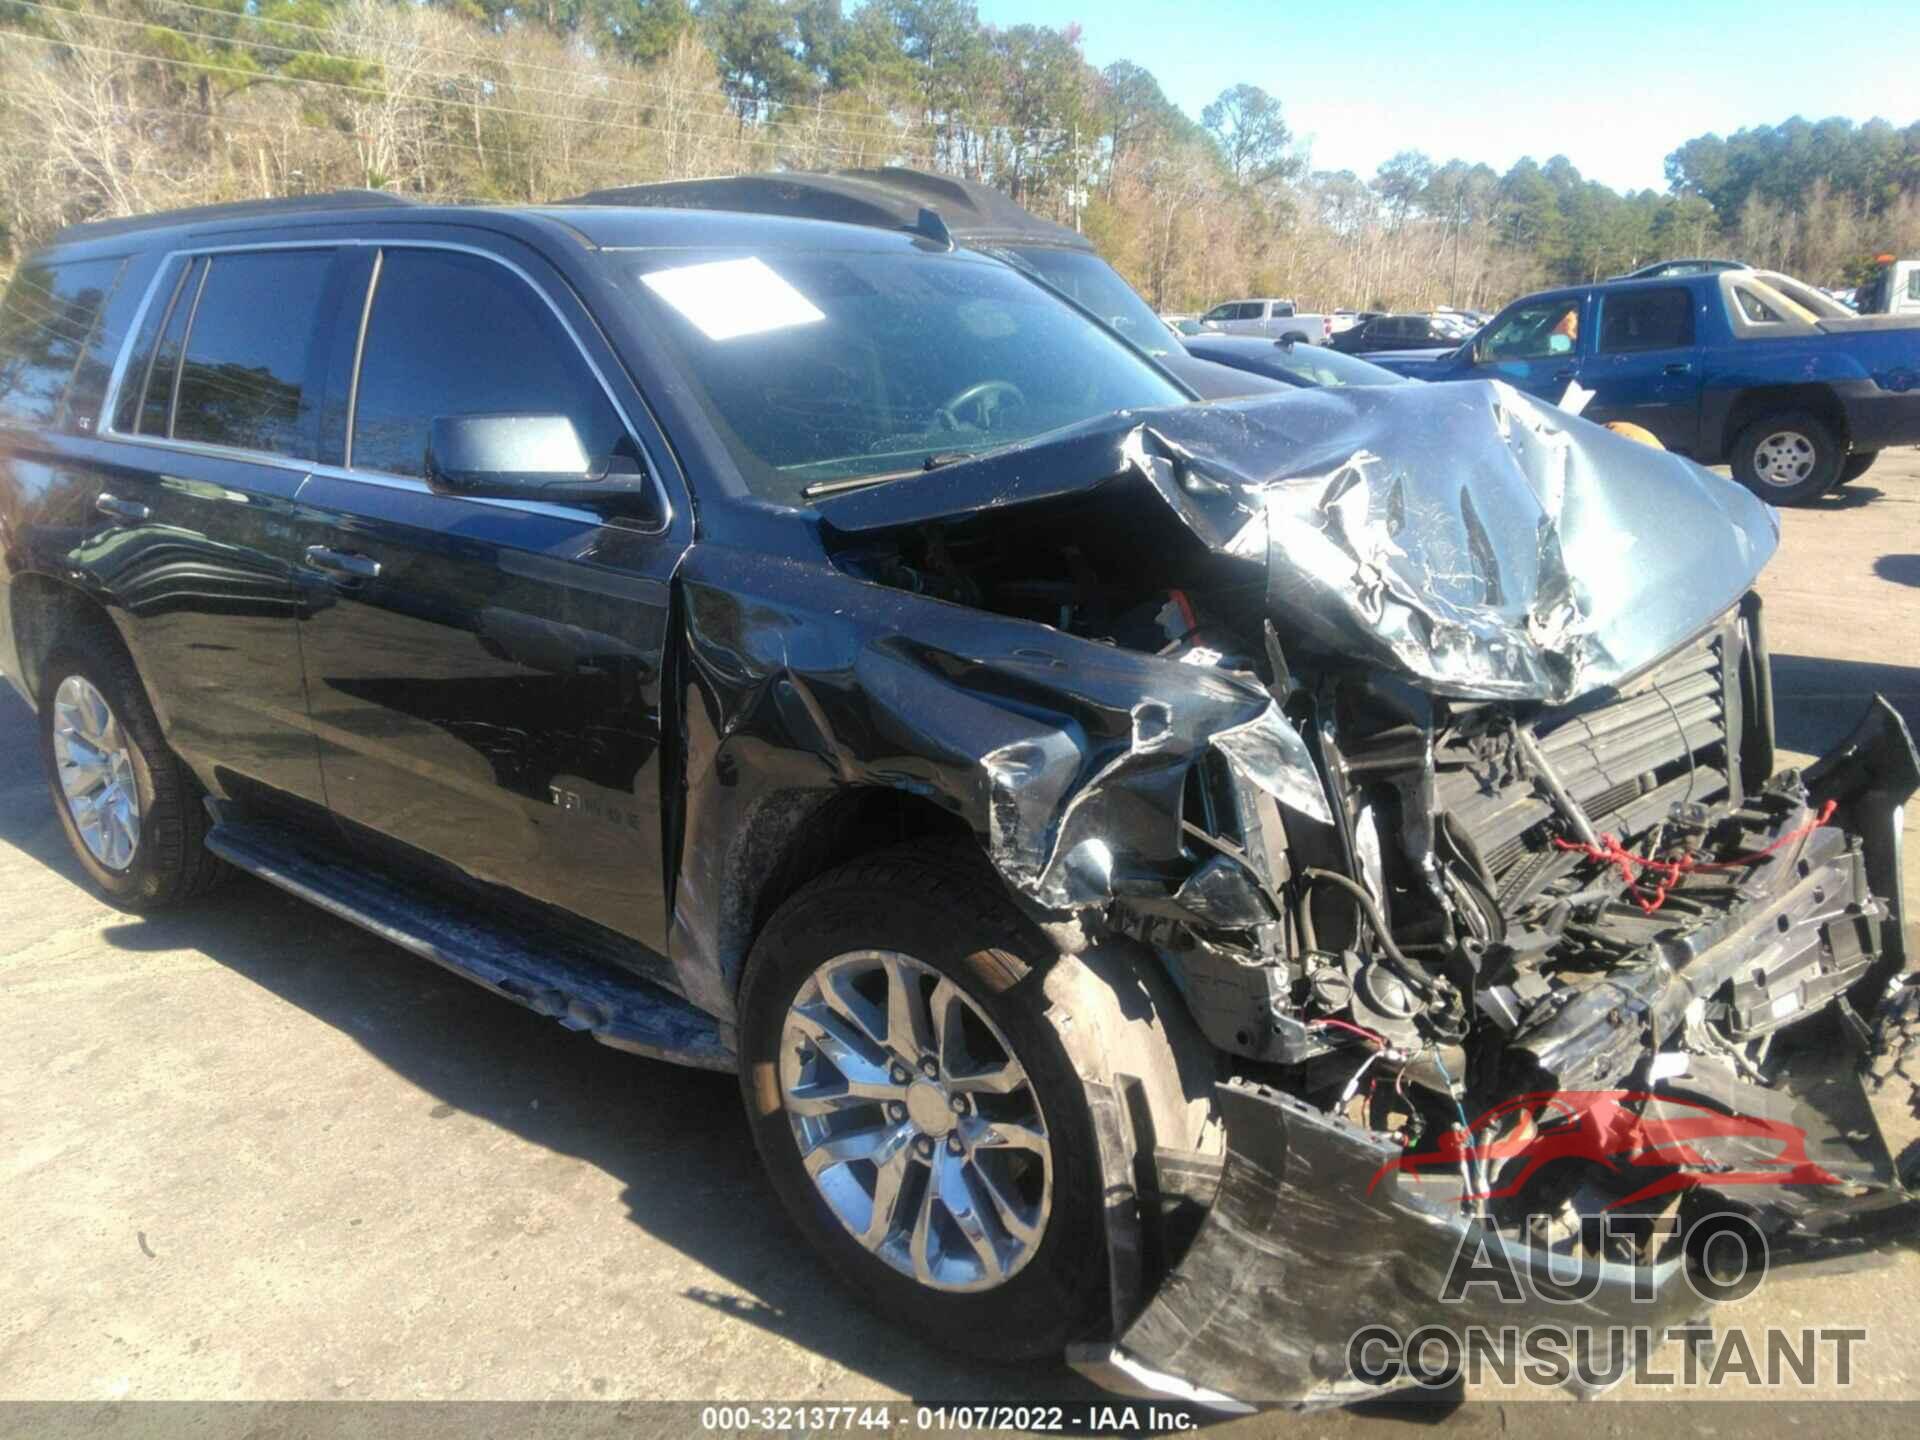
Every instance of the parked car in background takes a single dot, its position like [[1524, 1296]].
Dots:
[[1669, 269], [946, 210], [1457, 324], [1276, 319], [1747, 367], [1289, 361], [1893, 290], [1347, 319], [1186, 325], [1399, 332]]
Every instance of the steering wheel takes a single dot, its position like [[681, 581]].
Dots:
[[973, 394]]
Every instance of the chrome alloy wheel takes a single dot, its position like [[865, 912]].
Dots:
[[1784, 458], [95, 764], [918, 1126]]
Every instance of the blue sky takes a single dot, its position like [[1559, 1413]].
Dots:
[[1612, 84]]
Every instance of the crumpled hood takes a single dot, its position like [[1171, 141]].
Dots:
[[1482, 544]]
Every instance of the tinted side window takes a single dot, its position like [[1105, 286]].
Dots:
[[1913, 284], [1649, 320], [1756, 310], [45, 321], [244, 377], [455, 334]]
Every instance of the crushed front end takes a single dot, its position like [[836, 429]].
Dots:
[[1608, 1056], [1484, 889]]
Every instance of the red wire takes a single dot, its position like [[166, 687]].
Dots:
[[1360, 1030], [1669, 873]]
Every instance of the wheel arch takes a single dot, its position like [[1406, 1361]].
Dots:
[[1817, 400], [45, 610], [793, 836]]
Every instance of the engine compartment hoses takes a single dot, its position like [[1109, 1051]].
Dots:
[[1412, 971], [1475, 1172]]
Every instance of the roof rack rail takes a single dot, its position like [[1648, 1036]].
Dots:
[[232, 210]]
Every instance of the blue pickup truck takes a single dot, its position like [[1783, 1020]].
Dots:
[[1746, 367]]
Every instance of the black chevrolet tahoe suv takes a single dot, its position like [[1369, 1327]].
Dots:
[[1118, 842]]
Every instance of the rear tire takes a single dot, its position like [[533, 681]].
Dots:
[[144, 855], [914, 921], [1856, 465], [1787, 459]]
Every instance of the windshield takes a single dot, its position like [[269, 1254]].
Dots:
[[1094, 286], [827, 366]]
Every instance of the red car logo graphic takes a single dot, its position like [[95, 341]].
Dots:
[[1622, 1130]]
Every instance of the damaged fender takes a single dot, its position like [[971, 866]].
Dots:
[[1065, 758]]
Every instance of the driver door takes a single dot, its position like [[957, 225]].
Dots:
[[484, 675], [1535, 346]]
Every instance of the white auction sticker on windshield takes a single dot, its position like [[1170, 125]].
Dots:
[[729, 298]]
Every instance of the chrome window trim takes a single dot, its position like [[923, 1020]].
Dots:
[[174, 293], [121, 362], [180, 366], [378, 478], [359, 354]]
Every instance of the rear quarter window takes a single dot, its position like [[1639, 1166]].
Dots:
[[46, 321]]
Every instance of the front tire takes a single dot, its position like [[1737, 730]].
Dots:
[[915, 1108], [1787, 459], [131, 810]]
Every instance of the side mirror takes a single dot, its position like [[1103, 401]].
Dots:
[[528, 457]]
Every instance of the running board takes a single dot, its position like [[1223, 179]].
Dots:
[[547, 975]]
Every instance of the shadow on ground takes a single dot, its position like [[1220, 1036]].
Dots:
[[1847, 497], [1817, 701], [675, 1138], [1899, 569]]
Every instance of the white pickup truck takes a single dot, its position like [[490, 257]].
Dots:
[[1894, 289], [1276, 319]]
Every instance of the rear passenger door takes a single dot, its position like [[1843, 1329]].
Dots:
[[1646, 365], [485, 674], [214, 428]]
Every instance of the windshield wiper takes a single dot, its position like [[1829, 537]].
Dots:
[[861, 482]]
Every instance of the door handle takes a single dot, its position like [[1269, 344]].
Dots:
[[1566, 374], [343, 562], [1679, 367], [120, 509]]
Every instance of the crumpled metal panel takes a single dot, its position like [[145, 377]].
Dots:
[[1461, 534], [1477, 541], [1465, 535], [1067, 758]]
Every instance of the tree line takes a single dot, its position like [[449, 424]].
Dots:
[[115, 107]]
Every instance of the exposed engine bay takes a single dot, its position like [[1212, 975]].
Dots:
[[1465, 860], [1517, 830]]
